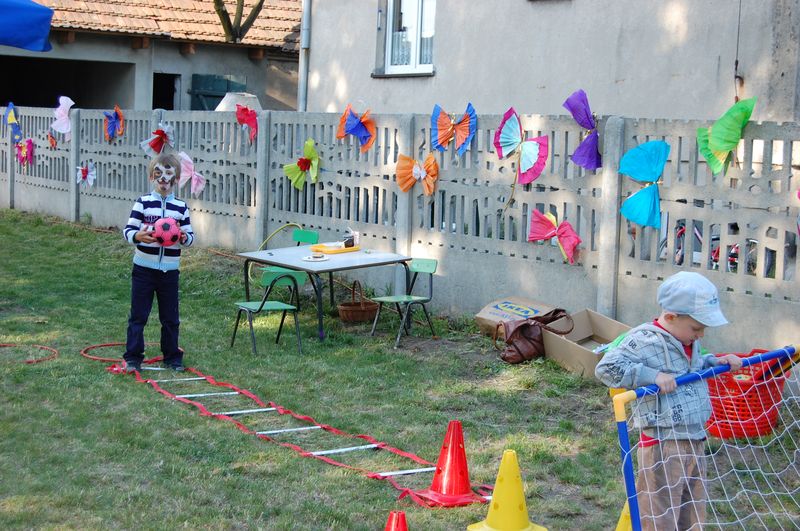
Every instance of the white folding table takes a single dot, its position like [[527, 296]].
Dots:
[[293, 258]]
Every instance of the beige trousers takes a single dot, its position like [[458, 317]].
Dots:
[[670, 485]]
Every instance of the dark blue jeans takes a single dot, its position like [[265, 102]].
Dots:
[[146, 282]]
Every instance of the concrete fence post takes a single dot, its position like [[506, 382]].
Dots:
[[74, 162], [262, 174], [404, 213], [156, 118], [12, 161], [608, 237]]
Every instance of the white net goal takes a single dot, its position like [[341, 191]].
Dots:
[[740, 469]]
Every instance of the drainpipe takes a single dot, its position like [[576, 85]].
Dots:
[[305, 45]]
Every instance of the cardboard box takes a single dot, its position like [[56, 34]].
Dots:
[[508, 309], [574, 350]]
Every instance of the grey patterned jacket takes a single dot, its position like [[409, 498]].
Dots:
[[637, 360]]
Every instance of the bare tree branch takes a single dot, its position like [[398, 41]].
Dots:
[[251, 18], [225, 19], [235, 32], [237, 20]]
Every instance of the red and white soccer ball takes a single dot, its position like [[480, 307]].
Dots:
[[166, 231]]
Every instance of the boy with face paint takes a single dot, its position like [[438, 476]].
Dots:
[[155, 268], [671, 449]]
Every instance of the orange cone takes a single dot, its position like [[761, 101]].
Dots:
[[396, 521], [451, 486]]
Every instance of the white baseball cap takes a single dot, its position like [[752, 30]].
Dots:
[[691, 294]]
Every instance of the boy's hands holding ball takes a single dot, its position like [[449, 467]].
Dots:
[[145, 235]]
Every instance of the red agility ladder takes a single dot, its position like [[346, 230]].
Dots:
[[260, 406]]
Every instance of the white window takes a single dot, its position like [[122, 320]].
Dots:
[[409, 39]]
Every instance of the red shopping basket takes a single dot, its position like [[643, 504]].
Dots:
[[742, 406]]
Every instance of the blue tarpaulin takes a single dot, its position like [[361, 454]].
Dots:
[[25, 24]]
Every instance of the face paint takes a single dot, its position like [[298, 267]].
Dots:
[[163, 174]]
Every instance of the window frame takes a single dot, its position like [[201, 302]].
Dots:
[[415, 68]]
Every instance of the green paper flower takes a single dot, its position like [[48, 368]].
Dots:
[[308, 164], [717, 142]]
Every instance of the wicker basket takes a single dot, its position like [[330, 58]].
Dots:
[[743, 406], [357, 311]]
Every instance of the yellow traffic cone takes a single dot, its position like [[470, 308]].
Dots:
[[508, 511], [624, 522]]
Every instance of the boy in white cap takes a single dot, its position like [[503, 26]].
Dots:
[[671, 449]]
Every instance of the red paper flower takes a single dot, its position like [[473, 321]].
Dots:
[[249, 118]]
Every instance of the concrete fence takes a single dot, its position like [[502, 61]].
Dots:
[[740, 228]]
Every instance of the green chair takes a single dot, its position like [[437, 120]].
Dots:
[[300, 236], [309, 237], [273, 279], [407, 301]]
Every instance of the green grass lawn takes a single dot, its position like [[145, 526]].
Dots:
[[83, 448]]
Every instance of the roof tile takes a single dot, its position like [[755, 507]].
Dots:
[[278, 23]]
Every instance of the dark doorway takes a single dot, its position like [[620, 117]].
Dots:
[[38, 82], [165, 88]]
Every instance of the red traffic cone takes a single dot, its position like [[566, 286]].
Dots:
[[396, 521], [451, 486]]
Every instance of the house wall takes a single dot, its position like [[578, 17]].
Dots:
[[126, 75], [274, 81], [667, 59]]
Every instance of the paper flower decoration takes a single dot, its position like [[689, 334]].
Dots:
[[10, 119], [162, 137], [362, 128], [248, 119], [644, 164], [189, 175], [530, 154], [444, 128], [25, 152], [587, 154], [545, 227], [61, 124], [113, 124], [52, 140], [87, 174], [717, 142], [306, 166], [409, 171]]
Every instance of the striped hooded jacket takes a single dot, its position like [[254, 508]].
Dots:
[[146, 211]]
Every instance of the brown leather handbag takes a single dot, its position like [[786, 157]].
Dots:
[[524, 337]]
